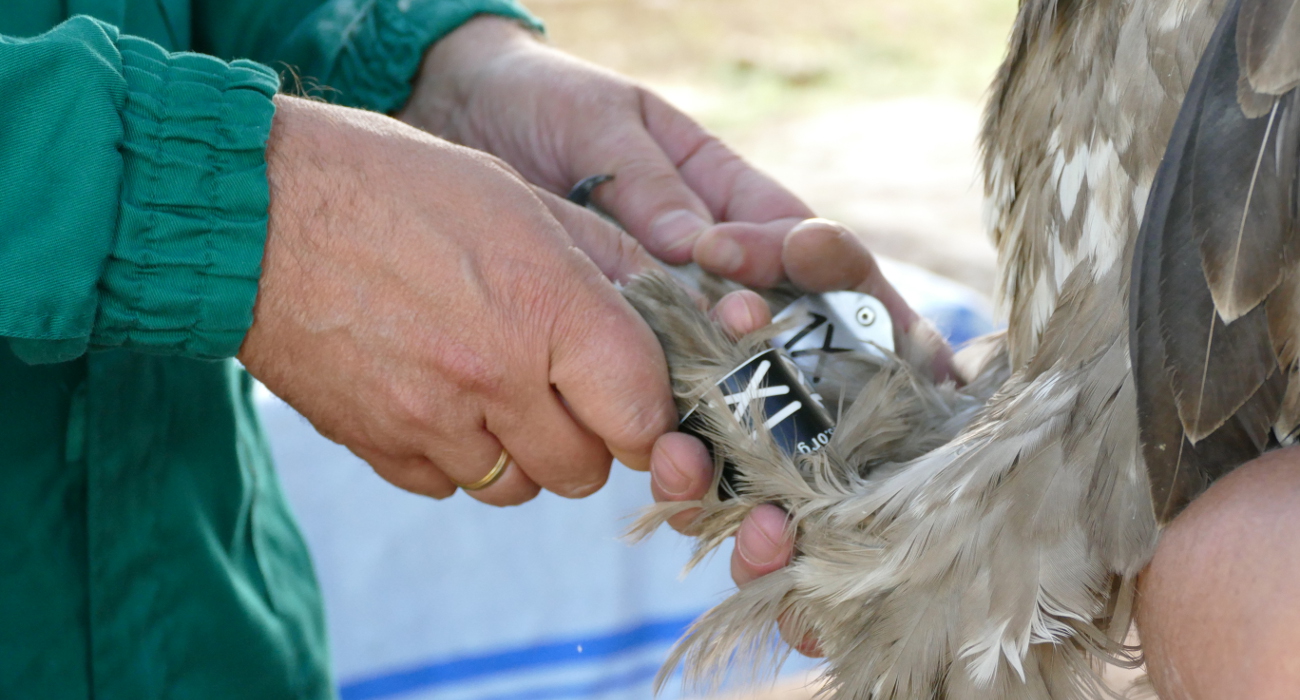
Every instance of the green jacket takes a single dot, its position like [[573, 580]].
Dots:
[[145, 548]]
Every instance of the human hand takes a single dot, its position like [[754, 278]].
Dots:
[[819, 256], [420, 305], [678, 190], [681, 192], [493, 86]]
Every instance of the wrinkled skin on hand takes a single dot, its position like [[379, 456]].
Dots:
[[681, 192], [421, 305]]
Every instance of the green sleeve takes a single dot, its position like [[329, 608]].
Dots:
[[361, 54], [134, 214]]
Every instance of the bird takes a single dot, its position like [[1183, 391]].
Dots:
[[983, 541]]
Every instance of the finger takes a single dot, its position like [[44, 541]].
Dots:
[[680, 470], [472, 457], [415, 473], [617, 254], [552, 449], [806, 644], [820, 255], [732, 189], [610, 370], [513, 488], [755, 212], [647, 195], [742, 312], [745, 252], [762, 545]]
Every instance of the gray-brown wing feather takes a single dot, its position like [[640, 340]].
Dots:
[[1217, 241], [1268, 41]]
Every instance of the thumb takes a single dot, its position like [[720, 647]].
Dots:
[[610, 370], [821, 256]]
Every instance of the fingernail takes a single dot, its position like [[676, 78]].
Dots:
[[746, 549], [677, 230], [669, 478], [746, 316], [720, 254], [737, 315]]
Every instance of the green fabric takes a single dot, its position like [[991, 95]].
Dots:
[[146, 550], [141, 216], [361, 53]]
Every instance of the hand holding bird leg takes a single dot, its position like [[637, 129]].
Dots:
[[985, 542], [427, 333]]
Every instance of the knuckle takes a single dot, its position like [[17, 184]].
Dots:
[[644, 423], [574, 468], [412, 406], [650, 175], [470, 370]]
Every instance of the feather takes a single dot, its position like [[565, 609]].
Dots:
[[943, 534], [1268, 43], [1283, 308], [1232, 170], [699, 353], [1217, 240]]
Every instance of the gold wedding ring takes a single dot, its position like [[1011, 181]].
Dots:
[[491, 478]]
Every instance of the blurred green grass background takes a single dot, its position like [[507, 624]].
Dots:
[[736, 62]]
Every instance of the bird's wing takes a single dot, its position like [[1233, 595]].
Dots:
[[1268, 44], [1212, 306]]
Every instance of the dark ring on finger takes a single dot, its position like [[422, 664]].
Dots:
[[581, 192]]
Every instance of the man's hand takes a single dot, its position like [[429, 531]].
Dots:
[[678, 190], [492, 85], [422, 306]]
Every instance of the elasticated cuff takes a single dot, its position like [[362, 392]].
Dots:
[[379, 50], [182, 275]]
